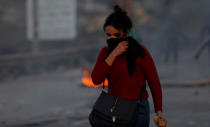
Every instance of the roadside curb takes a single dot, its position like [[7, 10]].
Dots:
[[187, 83]]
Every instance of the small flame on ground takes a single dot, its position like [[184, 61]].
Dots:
[[87, 81]]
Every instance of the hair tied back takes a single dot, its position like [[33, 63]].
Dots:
[[117, 9]]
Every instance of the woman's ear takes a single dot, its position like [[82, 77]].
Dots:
[[127, 32]]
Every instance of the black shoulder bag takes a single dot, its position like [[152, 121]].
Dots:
[[112, 111]]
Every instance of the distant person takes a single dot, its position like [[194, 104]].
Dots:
[[173, 35], [169, 35], [172, 42], [205, 41], [128, 65]]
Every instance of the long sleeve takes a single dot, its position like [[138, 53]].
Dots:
[[151, 75], [101, 68]]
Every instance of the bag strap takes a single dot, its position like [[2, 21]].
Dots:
[[103, 87], [142, 92]]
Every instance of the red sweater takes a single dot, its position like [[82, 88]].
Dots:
[[121, 84]]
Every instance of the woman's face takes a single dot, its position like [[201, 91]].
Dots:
[[112, 32]]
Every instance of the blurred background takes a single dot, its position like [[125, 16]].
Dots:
[[49, 47]]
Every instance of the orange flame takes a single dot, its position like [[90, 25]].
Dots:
[[87, 81]]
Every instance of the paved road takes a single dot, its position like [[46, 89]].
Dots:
[[58, 99]]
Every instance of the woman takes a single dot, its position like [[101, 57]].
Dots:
[[127, 65]]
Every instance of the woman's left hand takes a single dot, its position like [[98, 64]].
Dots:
[[160, 120]]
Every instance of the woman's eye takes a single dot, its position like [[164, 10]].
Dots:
[[117, 35]]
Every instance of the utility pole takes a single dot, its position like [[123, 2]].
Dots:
[[32, 24], [35, 41]]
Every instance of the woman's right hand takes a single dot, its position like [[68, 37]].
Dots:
[[121, 47]]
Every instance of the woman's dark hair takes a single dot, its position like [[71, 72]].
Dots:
[[119, 20]]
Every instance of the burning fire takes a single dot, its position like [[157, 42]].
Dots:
[[87, 81]]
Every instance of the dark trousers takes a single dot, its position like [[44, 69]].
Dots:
[[144, 114]]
